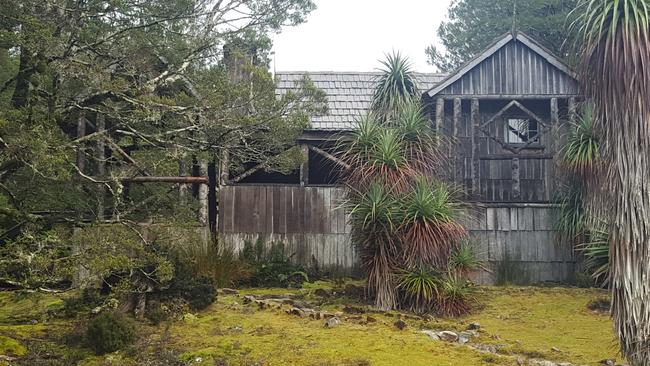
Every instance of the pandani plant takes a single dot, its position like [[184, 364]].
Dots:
[[615, 50], [401, 217]]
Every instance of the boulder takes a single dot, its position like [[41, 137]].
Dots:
[[448, 336], [431, 334], [474, 326], [400, 324], [464, 337], [332, 322]]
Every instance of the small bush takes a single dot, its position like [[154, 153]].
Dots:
[[199, 292], [157, 313], [456, 295], [273, 267], [89, 299], [109, 332], [419, 288], [464, 260]]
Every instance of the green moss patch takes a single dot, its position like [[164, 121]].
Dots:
[[11, 347]]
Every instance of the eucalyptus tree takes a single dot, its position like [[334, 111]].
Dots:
[[616, 53]]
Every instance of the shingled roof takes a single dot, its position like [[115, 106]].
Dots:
[[349, 94]]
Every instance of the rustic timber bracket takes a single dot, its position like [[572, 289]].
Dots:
[[516, 149]]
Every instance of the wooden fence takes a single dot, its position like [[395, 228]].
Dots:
[[510, 237]]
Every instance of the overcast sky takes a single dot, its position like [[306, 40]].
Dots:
[[351, 35]]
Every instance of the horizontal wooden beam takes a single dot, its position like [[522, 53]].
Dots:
[[506, 96], [180, 180]]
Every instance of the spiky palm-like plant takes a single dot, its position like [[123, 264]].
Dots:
[[429, 229], [374, 218], [616, 75], [420, 288], [396, 85]]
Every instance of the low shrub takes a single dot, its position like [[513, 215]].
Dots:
[[109, 332], [157, 313], [464, 259], [198, 292], [272, 266], [418, 288], [87, 300], [456, 295]]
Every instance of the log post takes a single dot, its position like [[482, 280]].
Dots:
[[440, 115], [553, 179], [203, 195], [516, 183], [81, 132], [100, 125], [304, 167], [475, 168], [453, 146], [182, 172]]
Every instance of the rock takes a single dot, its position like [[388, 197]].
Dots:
[[97, 310], [431, 334], [541, 363], [248, 299], [555, 349], [608, 362], [448, 336], [321, 292], [229, 291], [464, 337], [400, 324], [296, 311], [7, 358], [370, 319], [521, 361], [353, 310], [332, 322], [474, 326], [472, 333]]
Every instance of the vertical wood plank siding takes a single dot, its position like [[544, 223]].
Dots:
[[313, 226], [514, 70]]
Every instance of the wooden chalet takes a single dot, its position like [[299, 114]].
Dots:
[[505, 112]]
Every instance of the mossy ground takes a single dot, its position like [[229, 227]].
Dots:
[[528, 321]]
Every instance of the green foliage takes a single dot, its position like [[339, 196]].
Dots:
[[582, 150], [199, 292], [272, 266], [456, 295], [596, 252], [217, 262], [110, 332], [396, 85], [463, 259], [474, 24], [420, 288], [86, 301]]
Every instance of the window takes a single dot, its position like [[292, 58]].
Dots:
[[521, 131]]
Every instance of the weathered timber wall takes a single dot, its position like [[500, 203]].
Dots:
[[520, 238], [308, 220], [311, 223]]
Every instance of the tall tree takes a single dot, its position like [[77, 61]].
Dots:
[[473, 24], [615, 42]]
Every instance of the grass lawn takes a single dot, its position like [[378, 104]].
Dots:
[[548, 323]]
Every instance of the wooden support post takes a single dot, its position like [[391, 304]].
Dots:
[[553, 167], [81, 132], [453, 146], [182, 172], [100, 125], [224, 168], [440, 115], [203, 195], [475, 168], [573, 109], [516, 183], [304, 167]]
